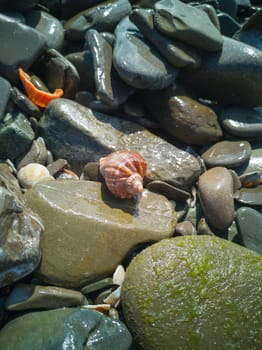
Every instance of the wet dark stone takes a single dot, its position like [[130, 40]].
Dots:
[[230, 154], [16, 135], [36, 154], [20, 231], [93, 135], [216, 197], [171, 192], [21, 45], [25, 104], [137, 62], [176, 53], [49, 26], [4, 93], [216, 80], [251, 32], [109, 87], [103, 17], [18, 5], [249, 222], [228, 24], [75, 326], [228, 6], [249, 196], [58, 72], [188, 24], [186, 119], [242, 122], [83, 63]]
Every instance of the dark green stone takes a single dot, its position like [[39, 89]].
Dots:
[[65, 329], [16, 135]]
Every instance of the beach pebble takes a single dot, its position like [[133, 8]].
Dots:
[[49, 26], [215, 188], [242, 122], [36, 154], [187, 24], [16, 135], [20, 230], [103, 18], [93, 135], [249, 196], [21, 46], [251, 31], [28, 296], [58, 72], [75, 326], [176, 52], [143, 67], [33, 173], [229, 154], [229, 86], [248, 222], [177, 287], [115, 226], [109, 87], [184, 118], [5, 90]]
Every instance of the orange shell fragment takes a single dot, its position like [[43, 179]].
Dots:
[[38, 97]]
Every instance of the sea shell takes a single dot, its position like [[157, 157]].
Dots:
[[123, 172], [38, 97], [32, 174]]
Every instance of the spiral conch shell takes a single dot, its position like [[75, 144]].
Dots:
[[123, 172]]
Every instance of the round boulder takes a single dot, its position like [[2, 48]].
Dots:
[[194, 292]]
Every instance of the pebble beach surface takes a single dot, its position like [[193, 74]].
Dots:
[[86, 260]]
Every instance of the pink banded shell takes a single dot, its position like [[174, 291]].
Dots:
[[123, 172]]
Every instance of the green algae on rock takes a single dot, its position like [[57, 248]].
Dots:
[[194, 292]]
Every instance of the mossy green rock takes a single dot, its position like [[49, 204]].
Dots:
[[194, 292], [65, 329]]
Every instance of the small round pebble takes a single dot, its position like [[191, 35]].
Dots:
[[32, 174]]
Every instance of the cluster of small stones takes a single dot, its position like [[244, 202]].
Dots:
[[179, 82]]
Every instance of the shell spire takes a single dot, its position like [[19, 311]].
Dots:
[[123, 172]]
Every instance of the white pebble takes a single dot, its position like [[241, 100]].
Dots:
[[32, 174]]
